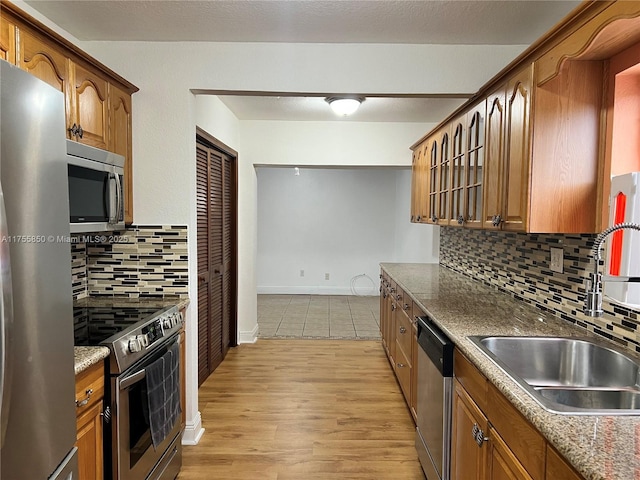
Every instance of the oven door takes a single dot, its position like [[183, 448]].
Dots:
[[134, 456]]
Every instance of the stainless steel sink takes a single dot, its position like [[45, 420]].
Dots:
[[594, 398], [568, 375]]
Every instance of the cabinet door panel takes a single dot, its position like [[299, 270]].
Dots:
[[43, 61], [7, 41], [434, 178], [90, 107], [89, 443], [518, 150], [468, 459], [458, 173], [504, 465], [120, 141], [558, 468], [494, 157], [474, 159], [444, 177]]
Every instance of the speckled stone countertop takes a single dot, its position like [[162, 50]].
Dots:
[[87, 356], [599, 447], [125, 301]]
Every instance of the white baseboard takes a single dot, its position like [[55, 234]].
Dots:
[[315, 290], [248, 337], [193, 431]]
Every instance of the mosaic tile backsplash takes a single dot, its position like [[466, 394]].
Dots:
[[141, 261], [519, 264]]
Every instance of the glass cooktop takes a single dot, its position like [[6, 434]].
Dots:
[[92, 325]]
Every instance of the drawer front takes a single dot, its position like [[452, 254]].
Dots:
[[404, 334], [89, 388], [471, 379], [403, 372], [398, 296]]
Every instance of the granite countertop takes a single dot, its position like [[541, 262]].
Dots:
[[85, 357], [126, 301], [599, 447]]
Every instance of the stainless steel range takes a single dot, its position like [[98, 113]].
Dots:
[[138, 446]]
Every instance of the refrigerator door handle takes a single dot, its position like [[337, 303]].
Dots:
[[6, 321]]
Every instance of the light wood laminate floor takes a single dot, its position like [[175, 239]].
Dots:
[[303, 410]]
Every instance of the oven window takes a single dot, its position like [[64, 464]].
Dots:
[[139, 432]]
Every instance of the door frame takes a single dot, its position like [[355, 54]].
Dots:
[[216, 144]]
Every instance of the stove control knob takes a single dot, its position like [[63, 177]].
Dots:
[[179, 319], [143, 340], [134, 345], [166, 322]]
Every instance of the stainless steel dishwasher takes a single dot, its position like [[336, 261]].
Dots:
[[435, 400]]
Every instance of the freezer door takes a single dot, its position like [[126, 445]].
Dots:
[[41, 423]]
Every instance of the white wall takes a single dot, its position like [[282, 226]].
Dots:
[[414, 243], [336, 221]]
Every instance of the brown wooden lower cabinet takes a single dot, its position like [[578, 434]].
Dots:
[[468, 458], [399, 338], [491, 440], [89, 400]]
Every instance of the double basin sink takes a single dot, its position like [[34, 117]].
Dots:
[[568, 375]]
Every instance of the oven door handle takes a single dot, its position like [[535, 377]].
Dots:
[[126, 382]]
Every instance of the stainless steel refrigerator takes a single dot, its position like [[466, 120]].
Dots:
[[36, 340]]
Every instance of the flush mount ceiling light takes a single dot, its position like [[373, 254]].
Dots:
[[344, 106]]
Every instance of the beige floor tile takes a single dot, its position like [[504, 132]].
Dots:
[[294, 330], [318, 316]]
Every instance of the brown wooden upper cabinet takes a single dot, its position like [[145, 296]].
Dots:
[[474, 164], [120, 141], [8, 42], [97, 100], [508, 154], [89, 107], [559, 121], [45, 61]]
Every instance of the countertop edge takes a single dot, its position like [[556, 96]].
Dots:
[[85, 357]]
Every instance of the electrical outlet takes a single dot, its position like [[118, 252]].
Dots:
[[556, 260], [326, 276], [302, 273]]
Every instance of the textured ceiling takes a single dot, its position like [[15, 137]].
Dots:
[[485, 22], [479, 22]]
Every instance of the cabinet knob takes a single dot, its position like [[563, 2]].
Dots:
[[393, 307], [400, 365], [496, 220], [434, 219], [403, 330], [76, 131], [460, 220], [418, 218], [398, 297], [406, 306], [478, 435], [106, 415]]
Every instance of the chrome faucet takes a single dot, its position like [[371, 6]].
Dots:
[[593, 301]]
